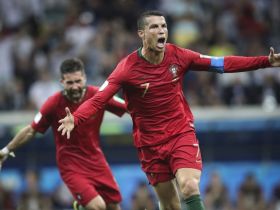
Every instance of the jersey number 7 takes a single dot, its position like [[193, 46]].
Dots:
[[146, 86]]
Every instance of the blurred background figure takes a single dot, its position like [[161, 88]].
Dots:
[[250, 194], [32, 198], [6, 199], [62, 198], [216, 194], [40, 90], [143, 198], [275, 201]]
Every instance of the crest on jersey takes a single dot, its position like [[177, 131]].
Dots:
[[173, 68]]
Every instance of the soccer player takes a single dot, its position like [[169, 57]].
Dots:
[[163, 126], [80, 160]]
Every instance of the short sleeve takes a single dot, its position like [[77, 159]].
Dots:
[[43, 119]]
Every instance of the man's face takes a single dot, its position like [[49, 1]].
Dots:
[[154, 34], [74, 85]]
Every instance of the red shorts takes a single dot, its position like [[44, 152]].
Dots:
[[160, 162], [85, 187]]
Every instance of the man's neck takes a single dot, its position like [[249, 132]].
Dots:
[[152, 56]]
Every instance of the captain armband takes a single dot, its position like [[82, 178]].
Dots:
[[217, 63]]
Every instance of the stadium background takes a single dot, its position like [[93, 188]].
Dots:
[[237, 115]]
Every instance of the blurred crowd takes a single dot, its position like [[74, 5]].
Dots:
[[250, 196], [31, 196], [36, 36]]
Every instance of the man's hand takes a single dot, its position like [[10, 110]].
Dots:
[[4, 154], [274, 59], [67, 124]]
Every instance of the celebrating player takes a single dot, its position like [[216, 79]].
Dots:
[[163, 125], [81, 163]]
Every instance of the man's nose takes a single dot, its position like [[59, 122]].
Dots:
[[75, 86], [161, 30]]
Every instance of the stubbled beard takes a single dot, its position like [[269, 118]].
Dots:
[[74, 95]]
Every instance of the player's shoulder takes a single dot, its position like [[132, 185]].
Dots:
[[177, 50], [92, 89], [171, 48], [126, 64], [55, 97], [130, 59], [53, 100]]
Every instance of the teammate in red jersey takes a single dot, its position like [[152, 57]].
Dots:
[[81, 162], [163, 126]]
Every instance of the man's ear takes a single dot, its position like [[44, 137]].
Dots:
[[141, 33], [61, 81]]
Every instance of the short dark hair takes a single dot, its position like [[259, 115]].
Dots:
[[141, 22], [71, 65]]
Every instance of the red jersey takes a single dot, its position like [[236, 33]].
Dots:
[[154, 93], [82, 151]]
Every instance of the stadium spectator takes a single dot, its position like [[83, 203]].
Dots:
[[142, 198], [32, 198], [250, 195], [42, 89], [61, 197], [216, 194], [275, 200], [6, 198], [6, 56]]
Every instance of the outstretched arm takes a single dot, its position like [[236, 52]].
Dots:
[[22, 137], [232, 64], [239, 63], [116, 106]]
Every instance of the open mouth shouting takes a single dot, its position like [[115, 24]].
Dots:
[[161, 43]]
